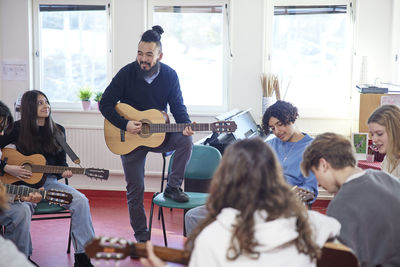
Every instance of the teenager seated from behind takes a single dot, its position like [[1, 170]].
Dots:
[[366, 202], [289, 145], [254, 218]]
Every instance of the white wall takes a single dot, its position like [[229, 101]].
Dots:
[[373, 39], [15, 44]]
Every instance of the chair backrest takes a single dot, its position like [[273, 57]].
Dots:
[[203, 162], [202, 165], [335, 254]]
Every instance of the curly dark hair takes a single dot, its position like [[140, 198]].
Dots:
[[250, 179], [284, 111], [153, 35]]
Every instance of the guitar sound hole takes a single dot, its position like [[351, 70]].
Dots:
[[145, 131], [27, 166]]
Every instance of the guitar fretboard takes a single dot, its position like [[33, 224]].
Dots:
[[56, 169], [22, 190], [178, 127]]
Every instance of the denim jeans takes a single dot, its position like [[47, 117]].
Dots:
[[134, 165], [17, 222], [82, 228]]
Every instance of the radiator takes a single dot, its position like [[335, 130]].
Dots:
[[90, 147]]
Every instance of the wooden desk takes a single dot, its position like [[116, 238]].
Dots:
[[363, 164]]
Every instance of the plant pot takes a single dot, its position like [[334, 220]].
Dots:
[[86, 105]]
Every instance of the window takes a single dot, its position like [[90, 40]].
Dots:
[[310, 51], [71, 49], [195, 43]]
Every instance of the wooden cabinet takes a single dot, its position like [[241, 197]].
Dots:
[[368, 103]]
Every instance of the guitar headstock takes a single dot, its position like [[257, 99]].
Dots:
[[223, 126], [58, 197], [108, 248], [303, 194], [97, 173]]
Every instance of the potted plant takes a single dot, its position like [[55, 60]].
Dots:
[[84, 95], [97, 97]]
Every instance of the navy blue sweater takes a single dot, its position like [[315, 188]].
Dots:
[[127, 87]]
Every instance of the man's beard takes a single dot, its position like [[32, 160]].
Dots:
[[147, 73]]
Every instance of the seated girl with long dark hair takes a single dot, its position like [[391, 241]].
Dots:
[[36, 133]]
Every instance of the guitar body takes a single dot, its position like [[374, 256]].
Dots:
[[36, 163], [16, 158], [112, 134]]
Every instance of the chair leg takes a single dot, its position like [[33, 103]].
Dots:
[[151, 214], [162, 180], [163, 174], [163, 227], [69, 238]]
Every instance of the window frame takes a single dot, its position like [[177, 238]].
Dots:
[[268, 40], [204, 109], [66, 105]]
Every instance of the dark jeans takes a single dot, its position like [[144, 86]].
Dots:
[[134, 163]]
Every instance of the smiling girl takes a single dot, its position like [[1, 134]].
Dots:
[[384, 128], [36, 133]]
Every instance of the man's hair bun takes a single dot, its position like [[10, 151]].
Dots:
[[153, 35], [158, 29]]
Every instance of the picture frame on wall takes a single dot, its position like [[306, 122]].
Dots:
[[360, 144]]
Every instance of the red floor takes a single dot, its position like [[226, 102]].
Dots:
[[110, 218]]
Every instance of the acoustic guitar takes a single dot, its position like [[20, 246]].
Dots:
[[36, 163], [117, 248], [53, 196], [333, 254], [155, 125]]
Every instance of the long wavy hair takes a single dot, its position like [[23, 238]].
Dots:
[[32, 138], [6, 118], [388, 116], [250, 179]]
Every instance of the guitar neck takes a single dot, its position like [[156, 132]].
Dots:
[[164, 253], [178, 127], [56, 169], [22, 190]]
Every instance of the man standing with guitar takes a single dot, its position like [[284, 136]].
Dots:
[[148, 84]]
